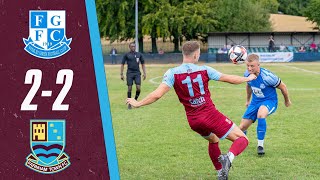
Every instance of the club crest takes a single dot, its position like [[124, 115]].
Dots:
[[47, 141], [47, 34]]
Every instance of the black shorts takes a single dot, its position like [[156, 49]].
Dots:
[[136, 77]]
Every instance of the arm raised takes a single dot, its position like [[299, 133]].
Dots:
[[151, 98], [234, 79]]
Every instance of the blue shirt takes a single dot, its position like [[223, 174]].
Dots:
[[264, 87]]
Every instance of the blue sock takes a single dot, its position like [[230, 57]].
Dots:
[[261, 128]]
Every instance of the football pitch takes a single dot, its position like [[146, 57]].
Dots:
[[155, 141]]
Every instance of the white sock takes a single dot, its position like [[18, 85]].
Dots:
[[231, 156], [260, 142]]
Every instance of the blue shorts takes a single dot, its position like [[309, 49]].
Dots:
[[252, 110]]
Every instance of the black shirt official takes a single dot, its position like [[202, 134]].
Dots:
[[133, 60]]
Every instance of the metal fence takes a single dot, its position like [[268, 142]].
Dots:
[[167, 58], [261, 39], [123, 47]]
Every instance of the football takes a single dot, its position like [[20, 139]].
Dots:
[[237, 54]]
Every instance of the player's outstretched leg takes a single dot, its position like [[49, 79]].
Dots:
[[214, 153], [240, 142]]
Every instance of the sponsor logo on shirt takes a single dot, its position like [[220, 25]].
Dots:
[[197, 101]]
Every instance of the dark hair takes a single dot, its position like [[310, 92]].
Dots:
[[190, 47]]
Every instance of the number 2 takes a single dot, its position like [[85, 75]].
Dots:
[[198, 80], [26, 104], [36, 75], [57, 105]]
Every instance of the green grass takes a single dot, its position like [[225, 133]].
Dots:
[[155, 142]]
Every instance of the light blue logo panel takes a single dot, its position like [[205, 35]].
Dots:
[[47, 141], [47, 38]]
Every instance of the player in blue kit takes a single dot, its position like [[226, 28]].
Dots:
[[264, 98]]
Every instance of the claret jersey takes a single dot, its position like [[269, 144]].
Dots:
[[190, 82]]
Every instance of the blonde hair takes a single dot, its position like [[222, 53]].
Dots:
[[190, 47], [253, 57]]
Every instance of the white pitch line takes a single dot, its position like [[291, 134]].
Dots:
[[152, 81], [314, 72]]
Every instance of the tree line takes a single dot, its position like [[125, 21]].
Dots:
[[175, 20]]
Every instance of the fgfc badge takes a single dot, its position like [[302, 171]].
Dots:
[[47, 39], [47, 141]]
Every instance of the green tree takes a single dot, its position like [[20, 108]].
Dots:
[[180, 19], [293, 7], [116, 19], [312, 12], [177, 19], [161, 18], [190, 19], [176, 22], [199, 19], [271, 6], [155, 21], [241, 16]]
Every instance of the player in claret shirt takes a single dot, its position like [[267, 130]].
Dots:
[[190, 82]]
